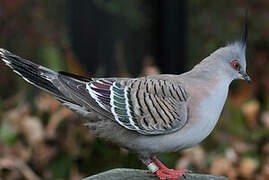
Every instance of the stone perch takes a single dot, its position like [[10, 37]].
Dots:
[[136, 174]]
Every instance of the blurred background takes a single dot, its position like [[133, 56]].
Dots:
[[40, 139]]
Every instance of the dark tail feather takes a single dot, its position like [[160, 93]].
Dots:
[[37, 75]]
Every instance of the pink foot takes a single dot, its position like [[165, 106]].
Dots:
[[163, 168], [162, 175]]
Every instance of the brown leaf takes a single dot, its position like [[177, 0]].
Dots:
[[251, 110], [195, 155], [265, 119], [221, 166], [16, 115], [46, 103], [33, 130], [247, 168], [231, 155], [240, 147]]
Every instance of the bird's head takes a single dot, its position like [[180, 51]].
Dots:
[[232, 58]]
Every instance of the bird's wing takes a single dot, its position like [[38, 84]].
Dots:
[[148, 106]]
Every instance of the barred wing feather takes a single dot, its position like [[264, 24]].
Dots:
[[148, 106]]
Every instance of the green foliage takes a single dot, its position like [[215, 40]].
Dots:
[[60, 166], [7, 135], [237, 120], [52, 57], [1, 107]]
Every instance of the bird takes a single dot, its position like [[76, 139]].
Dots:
[[148, 115]]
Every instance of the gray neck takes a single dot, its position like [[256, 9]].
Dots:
[[210, 69]]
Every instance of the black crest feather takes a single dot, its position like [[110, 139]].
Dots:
[[244, 35]]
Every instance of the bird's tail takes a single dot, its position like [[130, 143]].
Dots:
[[37, 75]]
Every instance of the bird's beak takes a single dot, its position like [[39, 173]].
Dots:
[[246, 77]]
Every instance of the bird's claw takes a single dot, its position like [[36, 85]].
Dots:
[[173, 174], [165, 173], [163, 176]]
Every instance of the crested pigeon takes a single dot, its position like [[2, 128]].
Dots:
[[147, 115]]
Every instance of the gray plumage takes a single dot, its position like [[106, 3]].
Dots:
[[148, 115]]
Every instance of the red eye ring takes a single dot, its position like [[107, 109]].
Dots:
[[235, 64]]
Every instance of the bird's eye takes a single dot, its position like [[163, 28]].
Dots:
[[235, 64]]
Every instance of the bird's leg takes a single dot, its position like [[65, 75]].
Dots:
[[163, 168], [158, 169], [152, 167]]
